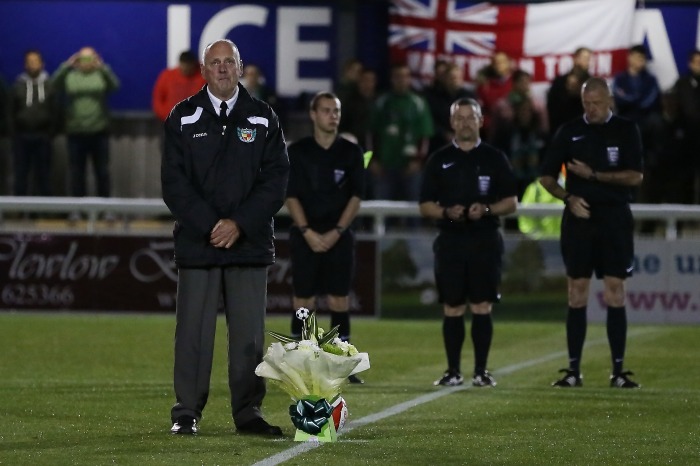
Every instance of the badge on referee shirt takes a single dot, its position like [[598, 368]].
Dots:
[[484, 184], [613, 156], [338, 175]]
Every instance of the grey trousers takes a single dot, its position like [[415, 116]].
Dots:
[[244, 291]]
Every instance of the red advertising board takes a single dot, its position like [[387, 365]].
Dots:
[[129, 273]]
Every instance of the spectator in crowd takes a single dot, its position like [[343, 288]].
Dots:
[[523, 140], [436, 86], [357, 108], [449, 86], [603, 157], [466, 187], [687, 91], [564, 95], [638, 97], [504, 110], [224, 175], [326, 186], [518, 129], [674, 177], [401, 126], [350, 75], [255, 83], [86, 81], [176, 84], [495, 83], [32, 123], [636, 90], [440, 68]]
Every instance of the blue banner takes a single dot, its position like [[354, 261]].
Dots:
[[292, 42]]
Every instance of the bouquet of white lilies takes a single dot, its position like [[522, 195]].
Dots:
[[312, 370]]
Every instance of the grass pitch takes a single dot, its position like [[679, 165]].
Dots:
[[96, 389]]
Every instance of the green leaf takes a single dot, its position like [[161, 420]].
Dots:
[[282, 338], [329, 336]]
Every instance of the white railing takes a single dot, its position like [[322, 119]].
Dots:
[[93, 208]]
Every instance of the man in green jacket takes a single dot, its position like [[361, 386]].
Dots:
[[86, 81]]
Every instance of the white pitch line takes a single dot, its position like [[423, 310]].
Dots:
[[428, 397]]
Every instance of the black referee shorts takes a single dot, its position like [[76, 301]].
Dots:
[[468, 266], [323, 273], [603, 244]]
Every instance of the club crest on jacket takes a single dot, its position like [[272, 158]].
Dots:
[[246, 134]]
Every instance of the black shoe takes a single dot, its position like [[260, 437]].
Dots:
[[450, 379], [259, 426], [483, 379], [622, 381], [185, 425], [571, 379], [355, 379]]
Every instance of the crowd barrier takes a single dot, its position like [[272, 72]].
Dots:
[[95, 208]]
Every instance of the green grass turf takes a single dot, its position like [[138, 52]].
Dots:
[[96, 389]]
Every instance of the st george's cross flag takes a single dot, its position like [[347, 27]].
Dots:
[[540, 38]]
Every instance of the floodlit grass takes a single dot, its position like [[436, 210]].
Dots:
[[96, 389]]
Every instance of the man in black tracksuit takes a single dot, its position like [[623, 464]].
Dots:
[[224, 176], [603, 157], [466, 186]]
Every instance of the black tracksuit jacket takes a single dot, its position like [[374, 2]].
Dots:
[[208, 174]]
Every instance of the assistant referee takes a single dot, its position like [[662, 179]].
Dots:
[[603, 157], [466, 186], [326, 185]]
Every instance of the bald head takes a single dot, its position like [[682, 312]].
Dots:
[[596, 84], [597, 100]]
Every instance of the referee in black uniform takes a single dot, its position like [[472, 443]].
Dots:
[[326, 185], [603, 157], [466, 186]]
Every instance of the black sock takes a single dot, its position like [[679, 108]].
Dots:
[[576, 324], [297, 325], [482, 332], [453, 334], [342, 320], [617, 336]]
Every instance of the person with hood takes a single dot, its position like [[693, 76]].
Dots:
[[224, 176], [32, 124]]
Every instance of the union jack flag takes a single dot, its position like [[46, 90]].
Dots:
[[448, 27], [534, 35]]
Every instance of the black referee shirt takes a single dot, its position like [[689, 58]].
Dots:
[[453, 176], [612, 146], [324, 180]]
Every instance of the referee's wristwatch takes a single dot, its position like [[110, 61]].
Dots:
[[487, 209], [303, 229], [339, 229]]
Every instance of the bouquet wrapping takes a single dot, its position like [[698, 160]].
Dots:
[[309, 371], [312, 371]]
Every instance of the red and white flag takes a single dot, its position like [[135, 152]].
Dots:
[[540, 38]]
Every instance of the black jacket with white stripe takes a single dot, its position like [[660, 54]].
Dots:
[[236, 169]]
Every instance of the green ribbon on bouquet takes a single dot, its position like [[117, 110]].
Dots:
[[310, 416]]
